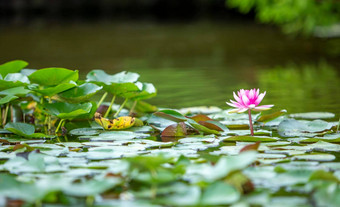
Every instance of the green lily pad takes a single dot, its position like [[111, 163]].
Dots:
[[250, 139], [17, 91], [100, 76], [270, 117], [68, 110], [146, 91], [293, 128], [13, 80], [52, 90], [84, 131], [53, 76], [24, 130], [170, 115], [202, 128], [219, 193], [7, 99], [313, 115], [79, 93], [316, 157], [14, 66]]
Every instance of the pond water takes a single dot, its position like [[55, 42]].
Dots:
[[191, 64]]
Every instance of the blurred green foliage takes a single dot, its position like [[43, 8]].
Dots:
[[294, 16]]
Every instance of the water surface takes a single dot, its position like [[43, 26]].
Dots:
[[191, 64]]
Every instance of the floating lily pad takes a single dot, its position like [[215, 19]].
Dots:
[[293, 128], [175, 130], [250, 139], [316, 157], [24, 130], [84, 131], [313, 115]]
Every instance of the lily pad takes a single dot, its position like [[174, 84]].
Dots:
[[293, 128], [250, 139], [14, 66], [219, 193], [7, 99], [52, 90], [24, 130], [313, 115], [175, 130], [79, 93], [53, 76], [170, 115], [100, 76], [68, 110], [270, 117]]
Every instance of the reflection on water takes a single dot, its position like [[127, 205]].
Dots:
[[190, 64]]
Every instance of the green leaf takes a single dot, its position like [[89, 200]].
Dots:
[[145, 91], [7, 99], [14, 66], [202, 128], [53, 76], [24, 130], [67, 110], [270, 117], [120, 89], [219, 193], [293, 128], [17, 91], [79, 93], [99, 76], [142, 106], [313, 115], [53, 90], [170, 115], [250, 139]]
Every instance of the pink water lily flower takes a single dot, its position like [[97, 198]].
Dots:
[[248, 99]]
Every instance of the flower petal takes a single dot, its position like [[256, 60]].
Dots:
[[259, 98], [245, 100], [231, 104], [262, 108], [242, 110], [237, 98]]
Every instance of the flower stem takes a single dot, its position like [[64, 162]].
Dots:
[[102, 99], [250, 123], [61, 121], [133, 108], [109, 109], [5, 115], [120, 108]]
